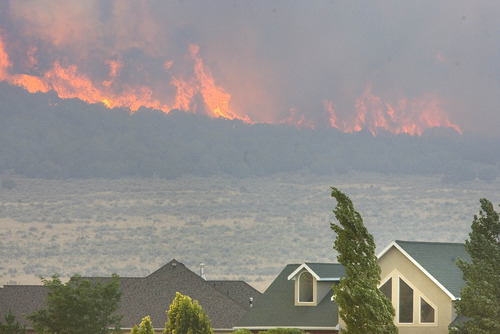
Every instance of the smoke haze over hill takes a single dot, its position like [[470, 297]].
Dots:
[[49, 137]]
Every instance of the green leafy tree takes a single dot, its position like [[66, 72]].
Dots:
[[146, 327], [135, 330], [11, 326], [186, 317], [78, 307], [479, 300], [362, 306]]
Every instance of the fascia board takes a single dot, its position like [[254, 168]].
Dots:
[[305, 328], [329, 279], [299, 269]]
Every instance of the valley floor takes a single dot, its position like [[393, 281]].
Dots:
[[245, 229]]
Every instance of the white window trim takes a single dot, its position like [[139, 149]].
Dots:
[[301, 303], [396, 275]]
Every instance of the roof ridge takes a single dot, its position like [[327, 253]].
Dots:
[[429, 242], [21, 285], [173, 263]]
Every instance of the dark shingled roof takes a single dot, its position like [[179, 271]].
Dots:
[[239, 291], [439, 260], [22, 300], [276, 308], [224, 303]]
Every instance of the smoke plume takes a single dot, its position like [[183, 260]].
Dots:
[[383, 66]]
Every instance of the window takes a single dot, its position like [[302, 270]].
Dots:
[[305, 288], [386, 288], [426, 312], [405, 302]]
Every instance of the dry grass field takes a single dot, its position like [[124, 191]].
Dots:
[[240, 228]]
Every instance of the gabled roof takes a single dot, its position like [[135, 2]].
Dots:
[[151, 295], [276, 308], [437, 260], [321, 271]]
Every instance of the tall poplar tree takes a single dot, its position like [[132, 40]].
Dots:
[[362, 306], [480, 297]]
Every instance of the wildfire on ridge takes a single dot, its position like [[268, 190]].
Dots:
[[298, 119], [67, 82], [198, 92], [214, 97], [406, 116]]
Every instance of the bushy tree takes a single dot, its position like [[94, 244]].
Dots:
[[11, 326], [479, 300], [78, 307], [146, 327], [362, 306], [186, 317]]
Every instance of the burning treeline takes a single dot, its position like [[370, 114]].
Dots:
[[187, 83]]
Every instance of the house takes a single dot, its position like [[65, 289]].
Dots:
[[225, 302], [300, 297], [423, 282], [421, 279]]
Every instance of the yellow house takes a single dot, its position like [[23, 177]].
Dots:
[[420, 278], [423, 282]]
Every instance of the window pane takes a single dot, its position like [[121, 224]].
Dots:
[[426, 312], [305, 287], [386, 288], [405, 302]]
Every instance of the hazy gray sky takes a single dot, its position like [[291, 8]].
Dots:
[[272, 61]]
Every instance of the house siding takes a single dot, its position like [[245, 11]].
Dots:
[[394, 264]]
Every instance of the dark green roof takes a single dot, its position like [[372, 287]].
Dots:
[[275, 308], [439, 260], [327, 270]]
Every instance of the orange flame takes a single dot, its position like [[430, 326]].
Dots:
[[4, 62], [67, 82], [114, 68], [199, 92], [411, 117], [298, 119], [214, 97]]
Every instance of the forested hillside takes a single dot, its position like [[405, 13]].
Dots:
[[47, 137]]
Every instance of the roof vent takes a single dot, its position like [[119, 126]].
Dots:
[[174, 264], [202, 271]]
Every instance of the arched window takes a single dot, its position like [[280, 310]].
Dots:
[[305, 288]]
